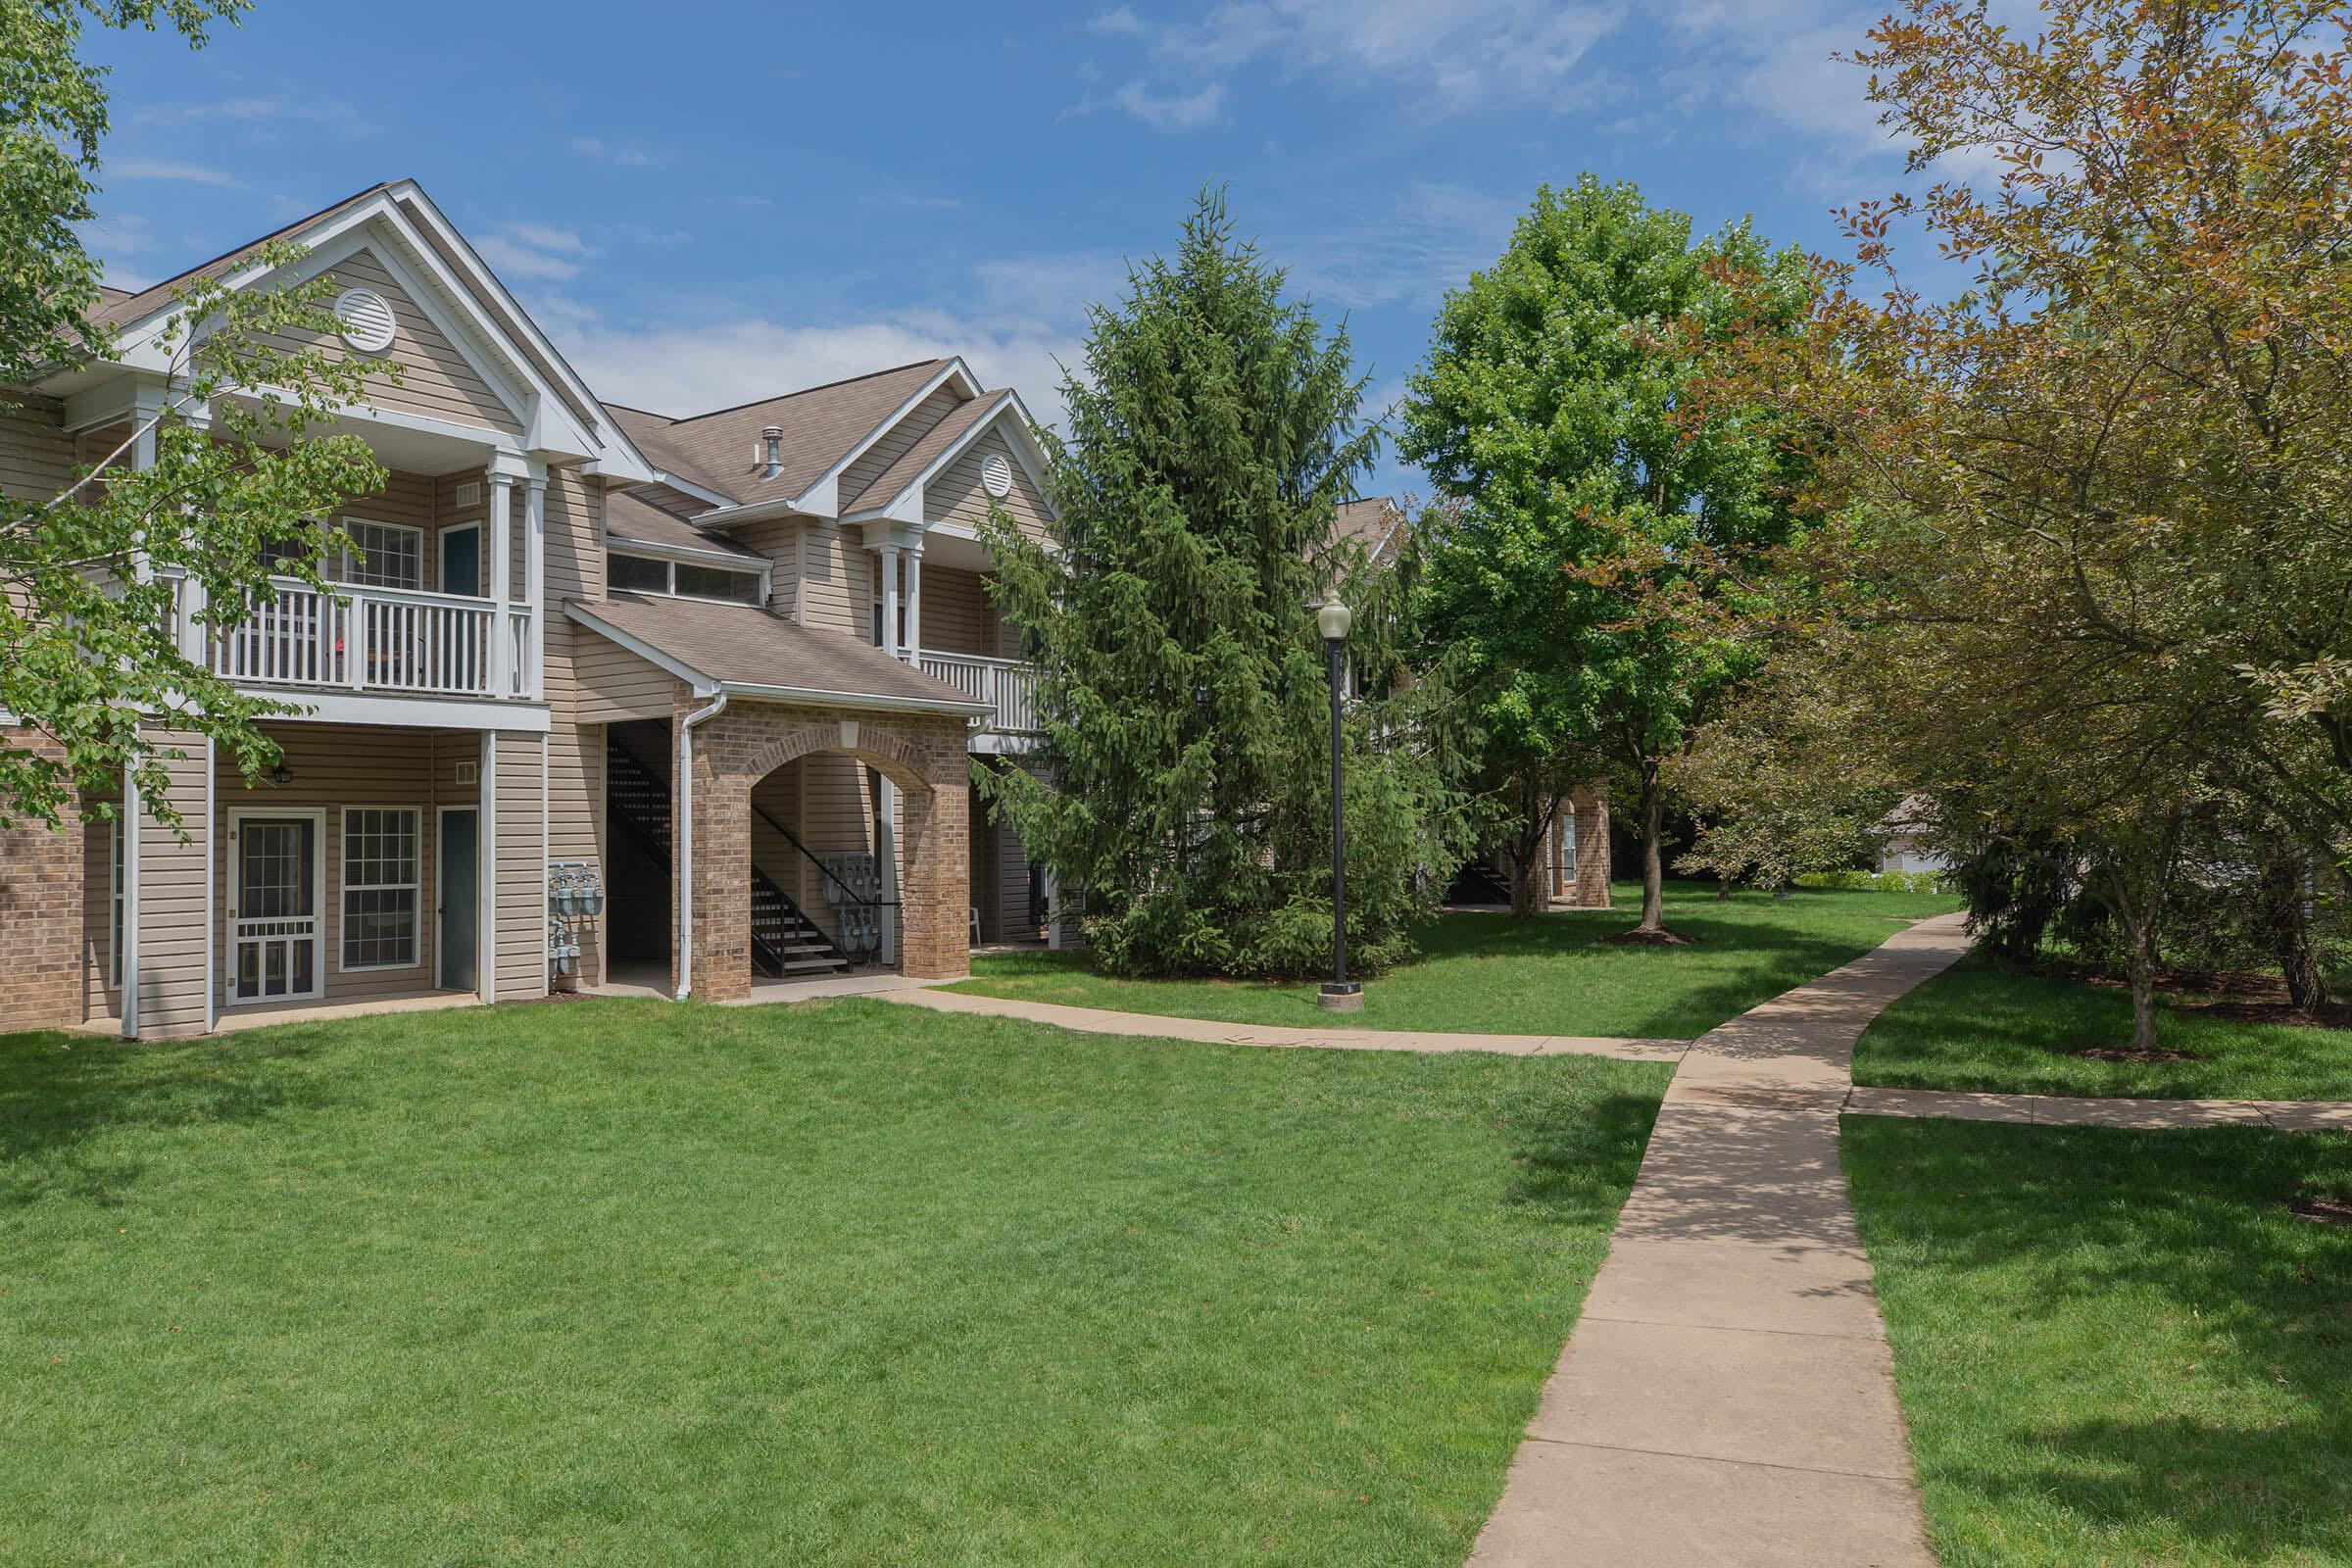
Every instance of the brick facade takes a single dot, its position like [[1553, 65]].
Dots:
[[922, 754], [41, 872], [1589, 887]]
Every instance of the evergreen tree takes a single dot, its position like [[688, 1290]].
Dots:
[[1183, 684]]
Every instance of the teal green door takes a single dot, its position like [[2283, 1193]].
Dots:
[[461, 561], [460, 944]]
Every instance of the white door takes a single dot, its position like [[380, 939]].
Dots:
[[275, 893]]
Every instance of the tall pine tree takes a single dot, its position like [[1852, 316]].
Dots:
[[1182, 681]]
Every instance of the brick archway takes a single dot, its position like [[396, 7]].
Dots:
[[922, 754]]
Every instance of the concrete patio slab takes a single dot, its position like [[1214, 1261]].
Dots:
[[1825, 1400], [1568, 1506]]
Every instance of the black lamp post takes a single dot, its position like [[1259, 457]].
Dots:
[[1340, 994]]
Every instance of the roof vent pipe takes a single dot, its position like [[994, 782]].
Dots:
[[771, 440]]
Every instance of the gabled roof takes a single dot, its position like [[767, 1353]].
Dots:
[[919, 456], [757, 654], [821, 424], [129, 307], [1377, 523]]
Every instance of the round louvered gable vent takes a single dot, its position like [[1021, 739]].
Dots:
[[366, 319], [996, 475]]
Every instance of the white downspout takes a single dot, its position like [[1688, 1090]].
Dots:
[[684, 826]]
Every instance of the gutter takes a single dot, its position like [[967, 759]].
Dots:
[[684, 828]]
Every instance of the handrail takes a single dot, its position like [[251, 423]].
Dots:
[[972, 658], [794, 840]]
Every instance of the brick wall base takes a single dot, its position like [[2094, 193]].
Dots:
[[41, 874], [1589, 888], [922, 754]]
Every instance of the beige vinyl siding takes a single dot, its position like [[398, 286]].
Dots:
[[837, 580], [779, 540], [835, 814], [437, 380], [170, 948], [576, 822], [333, 767], [37, 457], [894, 444], [610, 684], [520, 837], [958, 617], [957, 496], [575, 569], [575, 537], [448, 514]]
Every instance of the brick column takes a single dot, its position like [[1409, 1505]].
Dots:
[[1592, 806], [41, 874]]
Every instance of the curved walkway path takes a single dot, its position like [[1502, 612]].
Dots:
[[1726, 1395]]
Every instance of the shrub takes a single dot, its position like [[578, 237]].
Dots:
[[1878, 881]]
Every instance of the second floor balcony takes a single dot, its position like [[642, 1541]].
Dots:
[[1008, 685], [381, 640]]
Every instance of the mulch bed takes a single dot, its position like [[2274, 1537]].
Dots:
[[2236, 998], [2323, 1210], [2137, 1053], [1650, 939]]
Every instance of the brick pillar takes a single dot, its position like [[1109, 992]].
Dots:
[[935, 929], [41, 873], [1592, 806], [722, 872]]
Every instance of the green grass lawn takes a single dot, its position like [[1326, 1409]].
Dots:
[[1558, 974], [625, 1283], [2116, 1347], [1986, 1025]]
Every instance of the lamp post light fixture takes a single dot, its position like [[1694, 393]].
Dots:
[[1340, 994]]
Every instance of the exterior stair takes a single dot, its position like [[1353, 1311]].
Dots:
[[786, 945]]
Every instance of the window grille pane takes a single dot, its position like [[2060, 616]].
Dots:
[[385, 555], [381, 873]]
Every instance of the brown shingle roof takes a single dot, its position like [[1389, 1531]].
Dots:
[[821, 425], [918, 456], [650, 434], [740, 645], [1375, 523], [628, 517], [131, 307]]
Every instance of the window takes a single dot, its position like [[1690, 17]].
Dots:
[[712, 583], [644, 574], [383, 555], [637, 574], [380, 877]]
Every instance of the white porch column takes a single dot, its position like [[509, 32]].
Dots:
[[485, 872], [500, 527], [194, 637], [534, 578], [888, 564], [914, 604]]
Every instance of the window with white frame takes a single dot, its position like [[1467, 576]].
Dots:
[[650, 574], [383, 555], [381, 877]]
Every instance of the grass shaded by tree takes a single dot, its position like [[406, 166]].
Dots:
[[842, 1282], [1558, 974], [2116, 1347], [1985, 1024]]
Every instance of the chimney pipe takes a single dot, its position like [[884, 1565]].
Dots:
[[772, 439]]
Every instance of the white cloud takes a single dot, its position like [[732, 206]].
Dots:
[[1407, 249], [628, 153], [264, 117], [909, 200], [1462, 54], [1164, 111], [165, 169]]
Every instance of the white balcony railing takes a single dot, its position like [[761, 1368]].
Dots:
[[1006, 684], [380, 640]]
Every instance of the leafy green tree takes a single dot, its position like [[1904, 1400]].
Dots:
[[1183, 684], [1578, 587], [194, 507]]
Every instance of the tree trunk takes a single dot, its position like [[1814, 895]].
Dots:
[[2143, 990], [1653, 869], [1528, 862], [2285, 927]]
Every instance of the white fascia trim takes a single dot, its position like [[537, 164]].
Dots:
[[620, 543], [704, 685], [757, 691], [618, 454], [907, 505], [409, 712], [690, 488], [822, 497]]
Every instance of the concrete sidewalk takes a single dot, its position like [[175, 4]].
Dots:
[[1728, 1396], [2083, 1111], [1109, 1021]]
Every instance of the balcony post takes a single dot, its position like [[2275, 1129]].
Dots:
[[890, 602], [915, 605], [500, 527], [534, 578]]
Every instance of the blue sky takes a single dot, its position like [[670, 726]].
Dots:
[[705, 202]]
